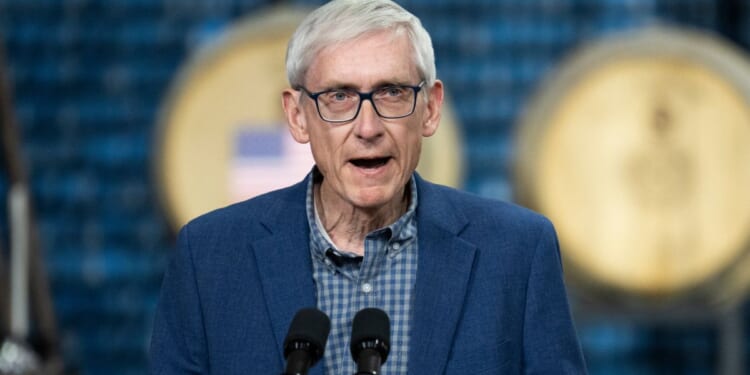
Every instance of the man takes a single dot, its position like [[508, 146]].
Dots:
[[471, 286]]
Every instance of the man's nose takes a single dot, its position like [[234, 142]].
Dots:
[[368, 125]]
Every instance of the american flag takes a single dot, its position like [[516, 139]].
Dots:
[[265, 158]]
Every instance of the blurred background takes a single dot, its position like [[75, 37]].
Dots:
[[89, 84]]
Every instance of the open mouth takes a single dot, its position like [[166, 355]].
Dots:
[[370, 163]]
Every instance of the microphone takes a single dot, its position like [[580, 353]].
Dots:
[[306, 340], [371, 340]]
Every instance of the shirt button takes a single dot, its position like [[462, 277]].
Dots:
[[396, 246], [367, 287]]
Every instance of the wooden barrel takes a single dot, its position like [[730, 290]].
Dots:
[[638, 149]]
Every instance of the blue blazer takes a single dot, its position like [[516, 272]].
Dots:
[[489, 296]]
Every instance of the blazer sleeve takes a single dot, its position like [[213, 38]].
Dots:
[[178, 342], [550, 344]]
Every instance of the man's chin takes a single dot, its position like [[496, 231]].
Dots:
[[374, 197]]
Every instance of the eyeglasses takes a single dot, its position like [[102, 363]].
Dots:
[[343, 105]]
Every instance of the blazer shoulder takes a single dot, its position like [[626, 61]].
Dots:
[[250, 212], [483, 209]]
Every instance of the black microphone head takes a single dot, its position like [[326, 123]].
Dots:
[[371, 329], [308, 331]]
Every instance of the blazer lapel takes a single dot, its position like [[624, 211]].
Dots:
[[443, 273], [284, 262]]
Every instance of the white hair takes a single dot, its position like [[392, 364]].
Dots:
[[345, 20]]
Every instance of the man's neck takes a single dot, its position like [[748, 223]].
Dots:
[[348, 225]]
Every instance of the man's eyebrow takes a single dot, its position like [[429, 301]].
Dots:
[[338, 86], [392, 82], [379, 84]]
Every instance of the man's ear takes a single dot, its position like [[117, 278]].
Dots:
[[290, 100], [433, 110]]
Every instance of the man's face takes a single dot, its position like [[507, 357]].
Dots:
[[367, 162]]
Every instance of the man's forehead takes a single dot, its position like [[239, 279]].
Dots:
[[369, 60], [387, 35]]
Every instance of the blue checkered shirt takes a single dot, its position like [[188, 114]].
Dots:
[[385, 279]]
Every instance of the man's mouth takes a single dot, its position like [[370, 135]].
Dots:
[[370, 162]]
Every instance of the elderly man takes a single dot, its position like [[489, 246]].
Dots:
[[471, 286]]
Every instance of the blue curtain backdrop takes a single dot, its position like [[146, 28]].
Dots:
[[89, 77]]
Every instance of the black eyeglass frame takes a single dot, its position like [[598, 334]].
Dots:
[[362, 97]]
